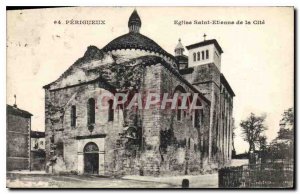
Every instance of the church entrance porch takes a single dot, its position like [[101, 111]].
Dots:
[[91, 158], [91, 155]]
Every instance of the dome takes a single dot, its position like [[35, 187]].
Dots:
[[133, 40]]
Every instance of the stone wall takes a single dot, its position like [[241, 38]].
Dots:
[[59, 129], [207, 79], [18, 142], [185, 152], [165, 145]]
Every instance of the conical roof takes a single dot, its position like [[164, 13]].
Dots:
[[134, 19]]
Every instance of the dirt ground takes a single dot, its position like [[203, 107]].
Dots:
[[22, 180], [76, 181], [43, 180]]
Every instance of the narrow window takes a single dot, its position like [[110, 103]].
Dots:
[[198, 56], [91, 111], [202, 53], [196, 118], [110, 111], [60, 149], [73, 116], [194, 55], [207, 54], [178, 110], [197, 115]]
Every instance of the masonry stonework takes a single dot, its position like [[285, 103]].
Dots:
[[18, 129], [84, 137]]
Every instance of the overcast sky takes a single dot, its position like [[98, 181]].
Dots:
[[257, 59]]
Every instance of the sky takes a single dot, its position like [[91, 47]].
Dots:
[[258, 59]]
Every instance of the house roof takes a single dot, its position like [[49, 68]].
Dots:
[[37, 134], [18, 112]]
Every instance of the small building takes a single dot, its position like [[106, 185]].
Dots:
[[18, 127], [38, 155]]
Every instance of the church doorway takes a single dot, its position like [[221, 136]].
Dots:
[[91, 158]]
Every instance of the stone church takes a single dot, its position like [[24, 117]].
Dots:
[[82, 137]]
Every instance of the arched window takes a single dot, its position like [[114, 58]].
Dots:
[[110, 110], [202, 53], [73, 116], [194, 55], [198, 56], [91, 111], [181, 101], [178, 110], [207, 54]]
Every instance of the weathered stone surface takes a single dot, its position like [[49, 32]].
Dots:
[[18, 124], [151, 141]]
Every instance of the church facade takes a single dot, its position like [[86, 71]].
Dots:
[[83, 137]]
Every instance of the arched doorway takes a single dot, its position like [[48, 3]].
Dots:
[[91, 158]]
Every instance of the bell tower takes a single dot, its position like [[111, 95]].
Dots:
[[205, 58], [205, 52]]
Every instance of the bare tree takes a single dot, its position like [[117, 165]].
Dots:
[[252, 129]]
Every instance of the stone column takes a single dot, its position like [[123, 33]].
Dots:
[[80, 163], [101, 163]]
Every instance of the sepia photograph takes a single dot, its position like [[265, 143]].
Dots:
[[150, 97]]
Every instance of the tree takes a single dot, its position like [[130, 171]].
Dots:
[[286, 130], [262, 143], [252, 129], [282, 147]]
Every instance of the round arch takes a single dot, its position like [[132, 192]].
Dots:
[[91, 147], [91, 158]]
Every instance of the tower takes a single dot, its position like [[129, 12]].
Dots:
[[134, 22], [205, 58], [179, 49], [207, 51], [182, 60]]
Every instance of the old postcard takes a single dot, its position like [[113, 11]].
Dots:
[[150, 97]]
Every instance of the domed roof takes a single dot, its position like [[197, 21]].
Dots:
[[133, 40]]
